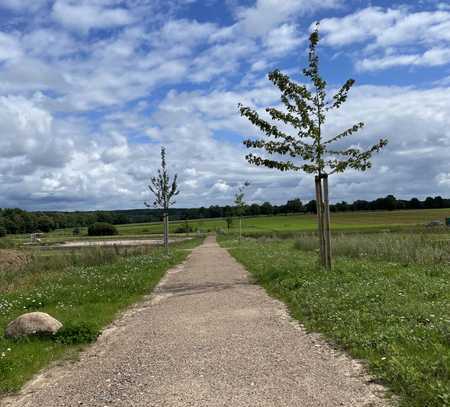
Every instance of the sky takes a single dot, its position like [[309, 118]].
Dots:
[[91, 89]]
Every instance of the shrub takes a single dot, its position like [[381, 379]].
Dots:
[[76, 334], [185, 228], [76, 231], [102, 229], [2, 231]]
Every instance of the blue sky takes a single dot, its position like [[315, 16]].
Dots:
[[90, 90]]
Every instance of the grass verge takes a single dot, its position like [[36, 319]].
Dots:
[[84, 291], [394, 316]]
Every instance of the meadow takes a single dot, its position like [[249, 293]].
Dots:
[[84, 289], [263, 225], [387, 302]]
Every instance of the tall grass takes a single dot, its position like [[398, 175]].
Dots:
[[7, 243], [418, 248], [47, 261]]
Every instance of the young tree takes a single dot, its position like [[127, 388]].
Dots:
[[165, 191], [307, 149], [240, 205]]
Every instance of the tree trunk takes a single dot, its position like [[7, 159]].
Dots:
[[320, 220], [166, 231], [327, 231], [240, 229]]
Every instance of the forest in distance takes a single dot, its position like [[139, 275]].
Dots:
[[14, 220]]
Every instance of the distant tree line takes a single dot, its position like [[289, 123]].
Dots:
[[19, 221]]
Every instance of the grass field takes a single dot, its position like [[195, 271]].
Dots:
[[341, 221], [84, 290], [380, 306]]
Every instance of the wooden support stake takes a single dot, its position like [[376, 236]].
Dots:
[[166, 231], [240, 229], [327, 231], [319, 205]]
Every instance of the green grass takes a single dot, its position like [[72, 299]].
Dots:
[[264, 225], [304, 222], [84, 290], [393, 315]]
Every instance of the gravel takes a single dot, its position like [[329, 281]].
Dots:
[[207, 336]]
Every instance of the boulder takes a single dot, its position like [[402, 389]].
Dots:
[[32, 323]]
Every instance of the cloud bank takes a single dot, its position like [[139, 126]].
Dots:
[[90, 90]]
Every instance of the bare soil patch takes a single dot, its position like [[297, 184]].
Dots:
[[116, 242], [12, 259]]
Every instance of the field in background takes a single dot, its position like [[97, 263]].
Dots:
[[341, 221]]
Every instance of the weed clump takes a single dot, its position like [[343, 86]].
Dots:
[[74, 334]]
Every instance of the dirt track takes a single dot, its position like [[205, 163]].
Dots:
[[12, 259], [207, 337], [116, 242]]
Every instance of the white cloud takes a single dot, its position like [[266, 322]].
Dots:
[[266, 15], [357, 27], [416, 122], [23, 5], [221, 186], [49, 42], [185, 31], [432, 57], [23, 126], [116, 149], [86, 16], [390, 34], [283, 39], [28, 133], [10, 48], [386, 27]]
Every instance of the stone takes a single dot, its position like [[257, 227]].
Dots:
[[32, 323]]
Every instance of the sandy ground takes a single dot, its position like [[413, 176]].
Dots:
[[206, 337], [12, 259], [120, 242]]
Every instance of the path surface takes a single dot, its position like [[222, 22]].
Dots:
[[120, 242], [207, 337]]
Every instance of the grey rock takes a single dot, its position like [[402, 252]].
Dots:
[[32, 323]]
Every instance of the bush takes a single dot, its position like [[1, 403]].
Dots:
[[76, 334], [2, 231], [76, 231], [185, 228], [102, 229]]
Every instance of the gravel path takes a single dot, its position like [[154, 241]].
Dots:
[[206, 337], [121, 242]]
